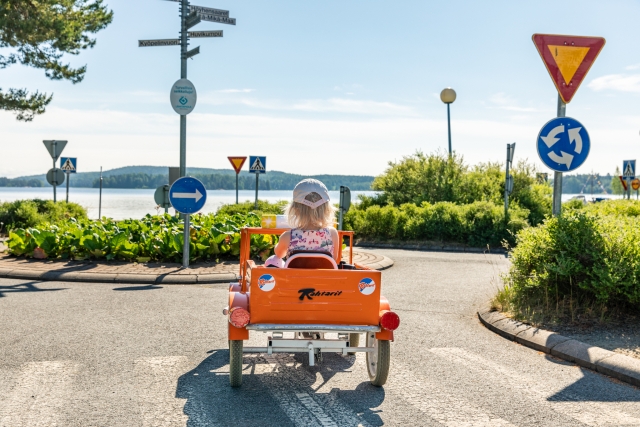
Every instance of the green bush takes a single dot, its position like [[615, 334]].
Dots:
[[442, 178], [246, 207], [158, 238], [475, 224], [30, 213], [588, 254]]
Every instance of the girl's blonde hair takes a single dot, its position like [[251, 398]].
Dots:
[[308, 218]]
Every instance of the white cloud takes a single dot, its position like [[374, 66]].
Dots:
[[505, 102], [236, 91], [619, 82], [633, 67]]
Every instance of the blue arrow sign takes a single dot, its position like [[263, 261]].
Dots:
[[563, 144], [187, 195], [629, 169], [69, 164], [258, 164]]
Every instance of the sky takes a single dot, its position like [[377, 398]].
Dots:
[[334, 87]]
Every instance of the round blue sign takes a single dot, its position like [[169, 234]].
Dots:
[[187, 195], [563, 144]]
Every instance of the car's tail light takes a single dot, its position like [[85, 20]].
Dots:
[[239, 317], [389, 320]]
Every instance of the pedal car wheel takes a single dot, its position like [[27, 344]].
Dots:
[[354, 341], [235, 363], [378, 360]]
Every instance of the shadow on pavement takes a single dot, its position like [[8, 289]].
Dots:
[[589, 389], [265, 391], [138, 288], [25, 287]]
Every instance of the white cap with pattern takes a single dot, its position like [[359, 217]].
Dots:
[[302, 193]]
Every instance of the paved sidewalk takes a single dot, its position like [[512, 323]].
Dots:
[[128, 272]]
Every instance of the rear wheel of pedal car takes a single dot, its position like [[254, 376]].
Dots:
[[378, 360], [354, 341], [235, 363]]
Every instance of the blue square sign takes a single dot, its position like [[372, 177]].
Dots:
[[258, 164]]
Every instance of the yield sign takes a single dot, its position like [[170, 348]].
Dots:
[[568, 59], [237, 163]]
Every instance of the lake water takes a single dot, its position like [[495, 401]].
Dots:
[[123, 203]]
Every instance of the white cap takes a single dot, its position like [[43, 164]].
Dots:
[[308, 186]]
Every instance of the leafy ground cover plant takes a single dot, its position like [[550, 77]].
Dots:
[[583, 264], [30, 213], [152, 238]]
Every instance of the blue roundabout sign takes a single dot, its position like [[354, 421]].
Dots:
[[187, 195], [563, 144]]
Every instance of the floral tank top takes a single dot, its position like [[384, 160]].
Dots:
[[310, 240]]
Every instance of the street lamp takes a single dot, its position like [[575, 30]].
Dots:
[[447, 96]]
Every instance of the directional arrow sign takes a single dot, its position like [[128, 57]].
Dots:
[[568, 59], [192, 52], [187, 195], [158, 42], [198, 34], [219, 19], [209, 10], [563, 144]]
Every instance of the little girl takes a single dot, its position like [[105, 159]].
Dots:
[[310, 216]]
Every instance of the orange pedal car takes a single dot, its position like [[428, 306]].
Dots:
[[310, 297]]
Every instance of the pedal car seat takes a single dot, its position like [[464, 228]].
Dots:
[[313, 260]]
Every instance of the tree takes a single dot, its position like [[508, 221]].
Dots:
[[38, 33], [616, 185]]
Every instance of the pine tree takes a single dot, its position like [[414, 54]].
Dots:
[[37, 34]]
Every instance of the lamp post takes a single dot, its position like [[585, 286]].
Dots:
[[447, 96]]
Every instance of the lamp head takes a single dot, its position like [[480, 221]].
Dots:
[[448, 95]]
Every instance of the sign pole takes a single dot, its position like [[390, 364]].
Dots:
[[506, 187], [100, 199], [68, 175], [187, 238], [237, 188], [55, 144], [557, 176], [257, 183]]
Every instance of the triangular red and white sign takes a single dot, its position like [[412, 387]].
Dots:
[[568, 59]]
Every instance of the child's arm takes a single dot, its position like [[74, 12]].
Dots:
[[337, 244], [281, 248]]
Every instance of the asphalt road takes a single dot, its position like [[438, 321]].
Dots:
[[74, 354]]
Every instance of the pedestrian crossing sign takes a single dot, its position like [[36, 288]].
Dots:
[[68, 164], [629, 169], [258, 164]]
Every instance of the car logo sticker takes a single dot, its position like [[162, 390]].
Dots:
[[266, 282], [367, 286]]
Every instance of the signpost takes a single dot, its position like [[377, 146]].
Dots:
[[508, 182], [628, 174], [184, 104], [68, 165], [257, 165], [161, 196], [635, 184], [55, 148], [563, 144], [568, 60], [345, 204], [187, 195], [237, 163]]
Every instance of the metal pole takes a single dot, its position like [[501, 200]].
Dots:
[[628, 188], [184, 12], [237, 188], [506, 185], [100, 199], [557, 176], [68, 175], [340, 217], [257, 184], [187, 239], [449, 126], [55, 145]]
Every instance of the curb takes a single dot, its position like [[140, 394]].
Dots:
[[619, 366], [430, 248], [146, 279]]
